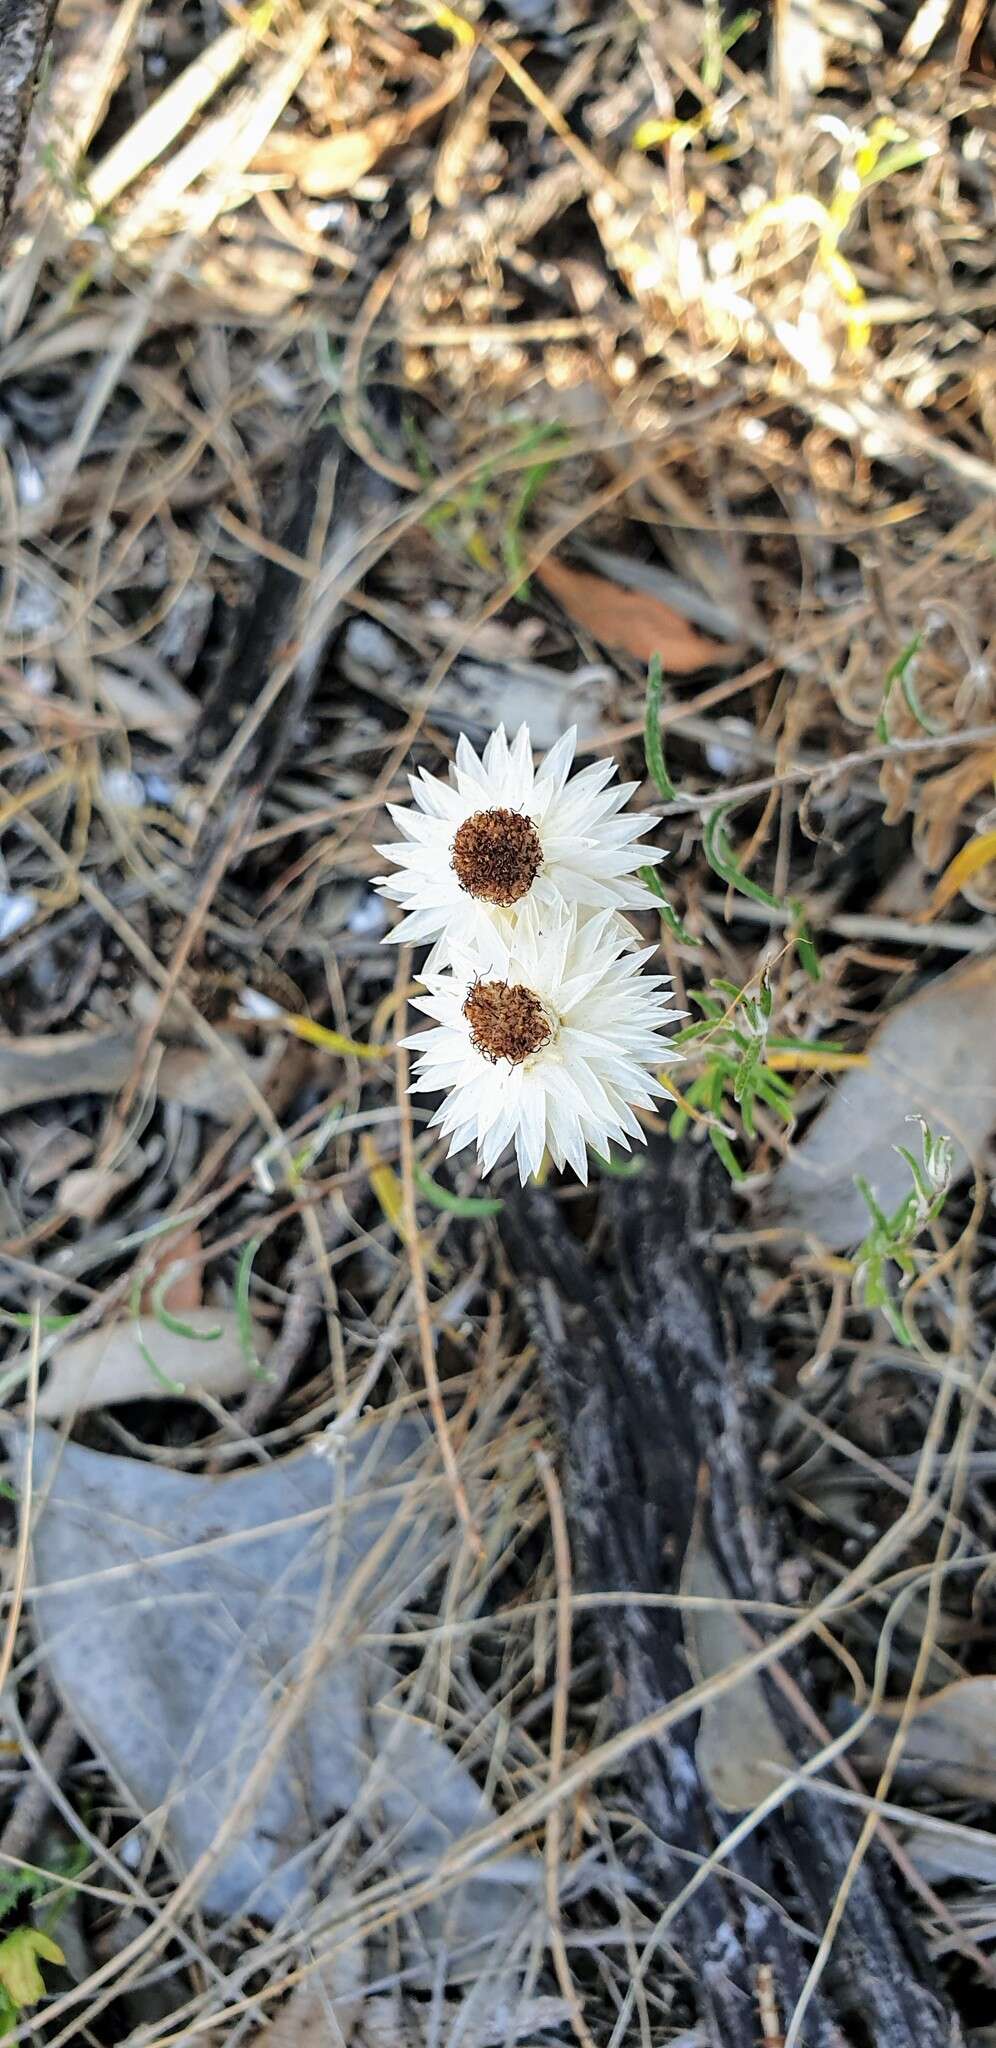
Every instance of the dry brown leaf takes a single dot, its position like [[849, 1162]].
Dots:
[[88, 1193], [630, 619], [108, 1365], [184, 1288], [324, 165]]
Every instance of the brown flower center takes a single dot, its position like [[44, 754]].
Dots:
[[507, 1022], [497, 856]]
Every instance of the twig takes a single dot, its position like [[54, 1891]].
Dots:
[[423, 1317], [558, 1738]]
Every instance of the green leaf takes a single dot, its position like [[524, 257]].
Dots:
[[901, 672], [243, 1310], [20, 1975], [173, 1323], [22, 1319], [620, 1169], [668, 915], [20, 1884], [721, 1144], [171, 1386], [531, 484], [454, 1205], [806, 1045], [809, 959], [653, 744], [723, 861]]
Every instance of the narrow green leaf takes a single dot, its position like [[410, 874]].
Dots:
[[620, 1169], [901, 671], [721, 1144], [806, 1045], [24, 1320], [173, 1323], [243, 1310], [723, 861], [454, 1205], [653, 744], [669, 916], [170, 1386]]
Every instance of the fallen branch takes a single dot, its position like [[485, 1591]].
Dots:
[[25, 26], [658, 1375]]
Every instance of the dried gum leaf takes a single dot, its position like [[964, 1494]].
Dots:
[[632, 620]]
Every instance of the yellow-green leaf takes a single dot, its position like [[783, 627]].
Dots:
[[330, 1041], [19, 1972], [970, 861]]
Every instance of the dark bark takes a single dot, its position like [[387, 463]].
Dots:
[[262, 627], [657, 1372], [25, 26]]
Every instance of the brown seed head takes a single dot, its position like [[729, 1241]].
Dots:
[[497, 856], [507, 1022]]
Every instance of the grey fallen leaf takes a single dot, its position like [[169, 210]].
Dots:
[[99, 1062], [198, 1629], [739, 1751], [949, 1849], [103, 1366], [951, 1741], [385, 2026], [935, 1057], [483, 694]]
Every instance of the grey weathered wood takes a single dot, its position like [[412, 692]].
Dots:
[[25, 26], [657, 1372]]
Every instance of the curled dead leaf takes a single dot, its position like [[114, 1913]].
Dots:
[[633, 620], [324, 165]]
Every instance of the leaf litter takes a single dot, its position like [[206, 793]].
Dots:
[[364, 380]]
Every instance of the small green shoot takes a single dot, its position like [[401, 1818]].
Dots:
[[173, 1323], [903, 672], [24, 1949], [890, 1240], [669, 916], [653, 744], [243, 1310], [24, 1320], [529, 489], [454, 1205], [169, 1386], [732, 1042], [724, 863], [623, 1168]]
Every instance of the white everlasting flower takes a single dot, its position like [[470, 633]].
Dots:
[[553, 1044], [501, 833]]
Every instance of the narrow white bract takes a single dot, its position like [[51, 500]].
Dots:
[[502, 834], [550, 1042]]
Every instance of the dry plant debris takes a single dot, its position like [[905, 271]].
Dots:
[[369, 375]]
